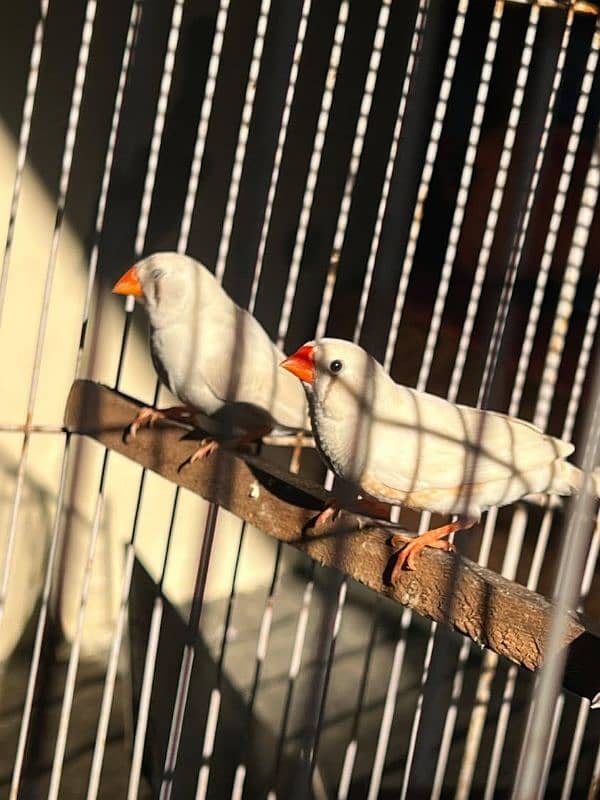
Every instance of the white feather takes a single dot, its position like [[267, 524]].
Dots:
[[212, 354], [400, 445]]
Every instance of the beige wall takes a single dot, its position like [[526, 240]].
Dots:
[[18, 333]]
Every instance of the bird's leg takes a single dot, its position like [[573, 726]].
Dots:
[[327, 516], [374, 509], [363, 506], [209, 444], [151, 415], [412, 545]]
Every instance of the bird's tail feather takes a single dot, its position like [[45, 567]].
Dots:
[[569, 479], [595, 479]]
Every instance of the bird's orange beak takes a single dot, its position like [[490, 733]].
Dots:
[[129, 283], [301, 364]]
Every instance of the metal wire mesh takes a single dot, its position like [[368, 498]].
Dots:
[[421, 177]]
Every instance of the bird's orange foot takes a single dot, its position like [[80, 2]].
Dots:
[[372, 509], [207, 446], [149, 416], [412, 545], [409, 548], [327, 517], [145, 416], [210, 445]]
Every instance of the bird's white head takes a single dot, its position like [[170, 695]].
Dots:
[[168, 284], [338, 375]]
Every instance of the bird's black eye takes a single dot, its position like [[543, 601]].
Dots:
[[156, 274], [336, 366]]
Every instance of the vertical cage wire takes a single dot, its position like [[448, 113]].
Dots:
[[547, 702], [201, 133], [187, 659], [595, 782], [358, 143], [240, 150], [524, 218], [323, 318], [157, 133], [414, 52], [462, 196], [292, 675], [301, 233], [338, 242], [543, 535], [209, 529], [267, 615], [313, 171], [265, 625], [215, 696], [422, 193], [65, 174], [24, 132], [405, 274], [74, 655], [184, 678], [383, 199], [426, 174], [150, 663], [112, 664], [290, 291], [537, 772], [281, 142], [43, 614], [494, 209], [435, 326], [489, 526], [430, 157], [592, 557], [352, 746], [575, 546], [538, 160], [572, 273], [517, 532], [339, 235]]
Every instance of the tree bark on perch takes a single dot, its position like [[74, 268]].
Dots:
[[494, 612]]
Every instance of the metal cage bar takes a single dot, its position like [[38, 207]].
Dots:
[[535, 764], [24, 132]]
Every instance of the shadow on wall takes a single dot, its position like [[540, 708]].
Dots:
[[177, 146], [35, 222]]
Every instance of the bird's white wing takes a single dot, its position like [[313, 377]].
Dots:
[[430, 443], [240, 364]]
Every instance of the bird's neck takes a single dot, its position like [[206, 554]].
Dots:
[[161, 318], [336, 440], [317, 416]]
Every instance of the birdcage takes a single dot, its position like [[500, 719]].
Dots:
[[418, 176]]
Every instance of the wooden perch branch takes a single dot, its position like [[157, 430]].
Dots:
[[494, 612]]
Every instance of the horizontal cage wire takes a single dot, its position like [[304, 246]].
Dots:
[[420, 178]]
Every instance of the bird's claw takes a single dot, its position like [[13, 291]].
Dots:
[[144, 416], [327, 517], [408, 549], [207, 446], [437, 538], [150, 416]]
